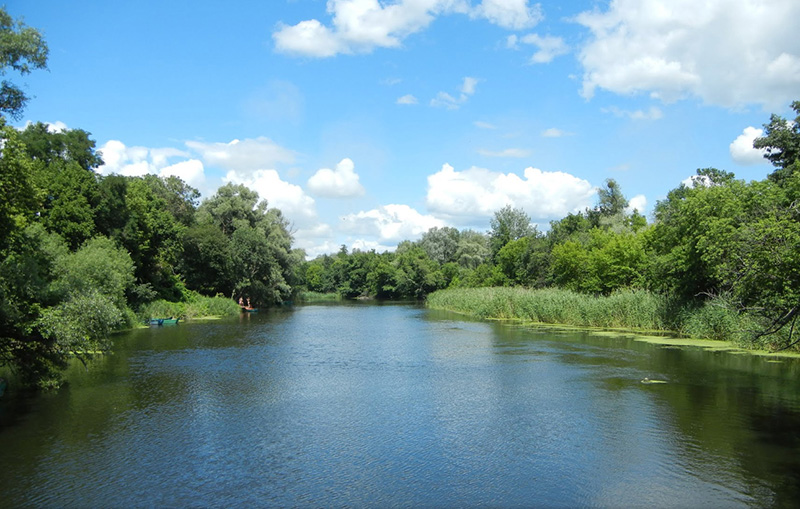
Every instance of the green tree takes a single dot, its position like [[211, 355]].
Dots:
[[70, 145], [22, 49], [781, 141], [441, 244], [100, 265], [472, 250], [207, 260], [612, 201], [508, 224]]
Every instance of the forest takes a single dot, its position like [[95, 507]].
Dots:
[[83, 255]]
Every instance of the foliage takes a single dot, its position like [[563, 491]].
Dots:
[[508, 224], [781, 141], [22, 49], [81, 324]]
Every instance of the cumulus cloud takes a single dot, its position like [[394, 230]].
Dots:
[[477, 193], [742, 150], [243, 155], [295, 204], [359, 26], [390, 223], [190, 171], [510, 14], [509, 152], [139, 161], [407, 99], [548, 47], [342, 182], [723, 52], [315, 239], [638, 203]]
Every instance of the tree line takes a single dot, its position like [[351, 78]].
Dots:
[[82, 254], [721, 246]]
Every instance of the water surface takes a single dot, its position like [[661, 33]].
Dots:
[[395, 405]]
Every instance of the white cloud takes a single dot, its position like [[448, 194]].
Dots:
[[477, 193], [653, 113], [468, 86], [315, 239], [369, 245], [191, 172], [484, 125], [407, 99], [390, 223], [725, 52], [243, 156], [139, 161], [343, 182], [509, 152], [124, 160], [696, 180], [445, 100], [510, 14], [554, 132], [359, 26], [295, 204], [638, 203], [742, 150], [548, 47]]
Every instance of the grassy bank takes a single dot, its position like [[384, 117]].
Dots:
[[197, 306], [317, 297], [628, 310], [635, 310]]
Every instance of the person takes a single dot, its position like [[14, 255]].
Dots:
[[241, 302], [248, 302]]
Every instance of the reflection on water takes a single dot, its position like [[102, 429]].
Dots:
[[380, 405]]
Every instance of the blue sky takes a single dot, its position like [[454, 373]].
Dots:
[[369, 122]]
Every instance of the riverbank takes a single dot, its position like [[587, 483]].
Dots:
[[638, 311]]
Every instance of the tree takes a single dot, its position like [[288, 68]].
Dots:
[[441, 244], [508, 224], [612, 201], [207, 261], [19, 197], [781, 141], [71, 145], [472, 250], [22, 49]]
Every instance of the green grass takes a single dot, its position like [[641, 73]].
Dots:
[[628, 309], [637, 310], [197, 306], [318, 297]]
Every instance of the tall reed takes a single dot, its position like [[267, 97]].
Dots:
[[629, 309]]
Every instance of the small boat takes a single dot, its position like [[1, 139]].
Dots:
[[249, 310], [164, 321]]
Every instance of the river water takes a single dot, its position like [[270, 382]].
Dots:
[[396, 405]]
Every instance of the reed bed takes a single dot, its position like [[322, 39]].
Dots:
[[318, 297], [626, 309]]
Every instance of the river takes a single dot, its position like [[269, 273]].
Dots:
[[395, 405]]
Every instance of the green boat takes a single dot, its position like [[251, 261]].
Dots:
[[164, 321]]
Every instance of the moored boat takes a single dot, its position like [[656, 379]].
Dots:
[[164, 321]]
